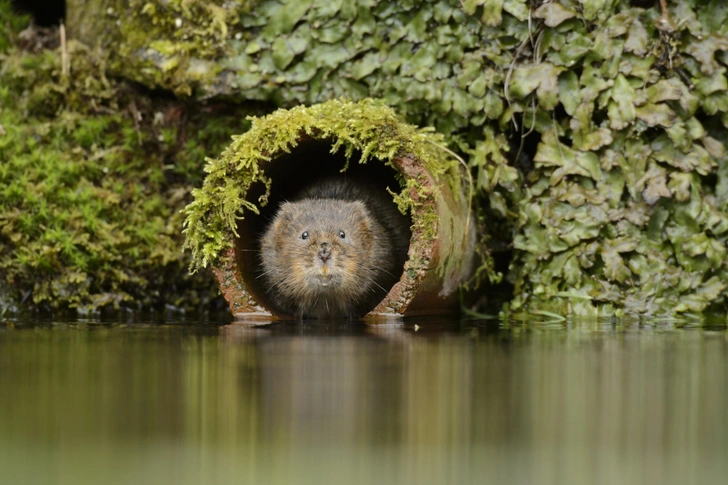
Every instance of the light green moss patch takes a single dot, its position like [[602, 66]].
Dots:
[[171, 44], [11, 23], [93, 176]]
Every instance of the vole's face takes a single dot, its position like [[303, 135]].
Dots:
[[325, 245]]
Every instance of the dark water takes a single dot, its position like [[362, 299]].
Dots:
[[451, 403]]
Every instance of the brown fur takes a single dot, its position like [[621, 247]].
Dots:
[[361, 267]]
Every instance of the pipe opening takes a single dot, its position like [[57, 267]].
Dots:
[[309, 162]]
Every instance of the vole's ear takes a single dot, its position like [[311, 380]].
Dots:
[[283, 218], [285, 213], [359, 207]]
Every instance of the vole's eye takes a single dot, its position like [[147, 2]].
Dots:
[[304, 236], [342, 235]]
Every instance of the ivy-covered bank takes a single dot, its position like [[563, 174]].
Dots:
[[595, 129], [93, 175]]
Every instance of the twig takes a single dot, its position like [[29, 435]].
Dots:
[[64, 53], [663, 23], [663, 7]]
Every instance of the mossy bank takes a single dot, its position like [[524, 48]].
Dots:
[[594, 129], [93, 175]]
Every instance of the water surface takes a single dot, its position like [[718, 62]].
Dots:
[[451, 402]]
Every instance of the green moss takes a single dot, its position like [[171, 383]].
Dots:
[[11, 23], [168, 43], [92, 178], [365, 126]]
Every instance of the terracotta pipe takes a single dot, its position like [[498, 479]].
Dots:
[[413, 164]]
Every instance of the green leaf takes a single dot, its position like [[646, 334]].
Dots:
[[543, 76], [492, 12], [704, 51], [715, 82], [421, 61], [637, 39], [656, 114], [614, 267], [679, 185], [470, 6], [286, 17], [365, 66], [654, 184], [569, 94], [518, 8], [553, 13], [282, 53], [592, 7], [551, 152], [622, 109], [665, 90]]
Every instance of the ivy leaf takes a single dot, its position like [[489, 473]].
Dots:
[[553, 13], [704, 51], [285, 18], [637, 39], [654, 183], [614, 267], [569, 94], [656, 114], [551, 152], [543, 76], [621, 110], [716, 82], [679, 185], [492, 13], [282, 53], [592, 7], [518, 8]]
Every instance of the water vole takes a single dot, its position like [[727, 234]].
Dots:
[[334, 251]]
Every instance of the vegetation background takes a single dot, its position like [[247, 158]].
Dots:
[[594, 130]]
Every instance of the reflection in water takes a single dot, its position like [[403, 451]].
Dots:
[[328, 403]]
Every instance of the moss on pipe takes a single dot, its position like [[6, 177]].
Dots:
[[366, 126]]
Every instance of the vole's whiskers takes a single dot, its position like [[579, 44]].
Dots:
[[382, 269], [371, 280], [263, 274]]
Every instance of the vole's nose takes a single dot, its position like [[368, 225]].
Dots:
[[324, 253]]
